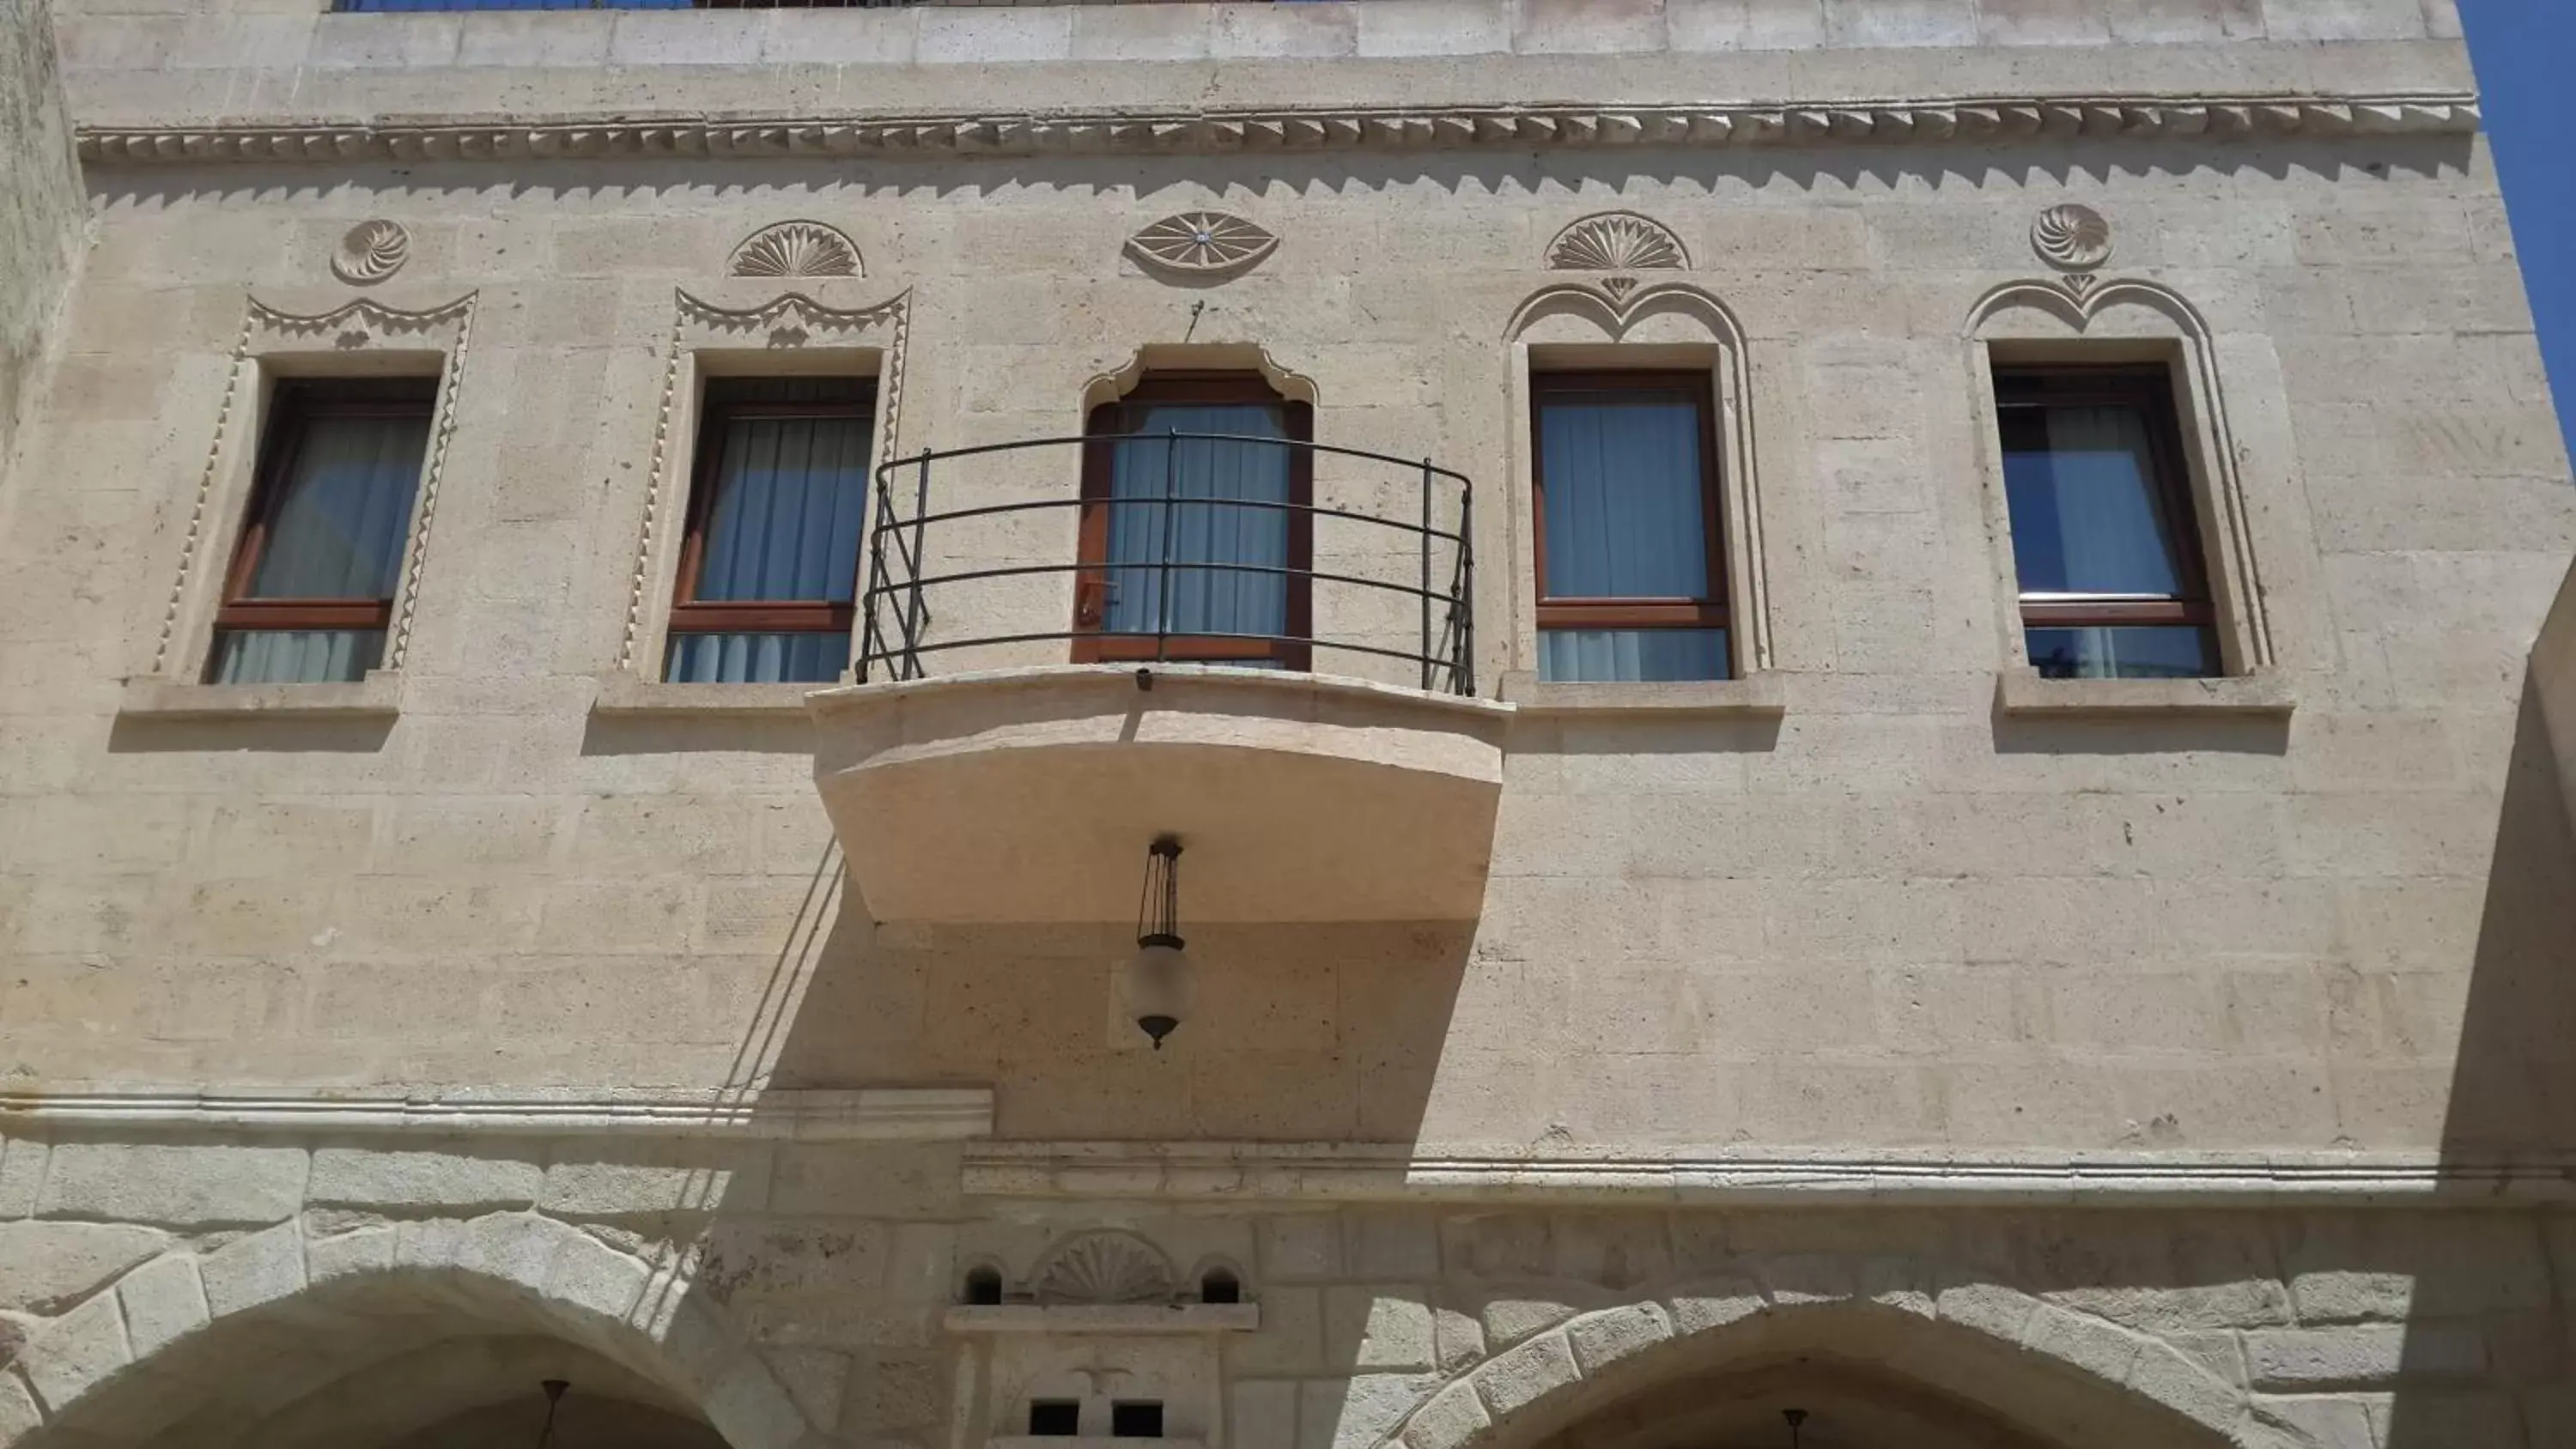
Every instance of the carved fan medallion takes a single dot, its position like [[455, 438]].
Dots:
[[1104, 1268], [1616, 241], [1207, 243], [796, 249]]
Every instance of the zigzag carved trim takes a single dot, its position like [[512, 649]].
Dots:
[[1522, 127]]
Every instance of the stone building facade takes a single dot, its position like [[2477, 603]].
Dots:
[[1890, 1030]]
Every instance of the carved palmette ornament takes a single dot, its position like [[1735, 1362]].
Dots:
[[795, 249], [370, 252], [1616, 241], [2071, 237], [1104, 1268], [1207, 243]]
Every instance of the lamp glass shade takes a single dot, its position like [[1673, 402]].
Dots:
[[1157, 986]]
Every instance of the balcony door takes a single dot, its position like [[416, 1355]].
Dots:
[[1196, 548]]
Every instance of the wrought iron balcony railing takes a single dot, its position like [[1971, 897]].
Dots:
[[1364, 557]]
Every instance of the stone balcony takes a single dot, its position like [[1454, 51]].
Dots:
[[1035, 707]]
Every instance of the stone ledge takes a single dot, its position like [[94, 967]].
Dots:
[[1081, 1441], [629, 695], [1385, 1172], [378, 696], [1762, 694], [1103, 1318], [2022, 693], [804, 1115]]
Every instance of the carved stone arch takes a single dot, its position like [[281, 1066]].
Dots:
[[174, 1335], [1103, 1268], [795, 249], [1617, 241], [1669, 323], [2015, 1370], [1108, 387], [2079, 303]]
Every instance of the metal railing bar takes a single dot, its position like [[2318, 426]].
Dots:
[[1409, 465], [1024, 570], [1316, 510], [1066, 634]]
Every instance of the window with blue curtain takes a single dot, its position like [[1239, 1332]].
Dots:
[[769, 569], [1631, 575], [2104, 538], [310, 593], [1194, 539]]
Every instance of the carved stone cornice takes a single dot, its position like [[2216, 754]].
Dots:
[[1971, 119]]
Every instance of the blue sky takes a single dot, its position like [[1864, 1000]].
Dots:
[[2525, 52]]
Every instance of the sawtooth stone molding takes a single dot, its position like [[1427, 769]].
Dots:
[[801, 1115], [1329, 1172], [1973, 119]]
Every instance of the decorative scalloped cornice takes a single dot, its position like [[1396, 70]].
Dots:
[[2216, 117]]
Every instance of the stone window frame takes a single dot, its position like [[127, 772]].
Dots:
[[741, 329], [1665, 328], [357, 340], [2136, 324]]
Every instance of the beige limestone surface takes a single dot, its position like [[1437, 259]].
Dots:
[[2093, 1067], [41, 226]]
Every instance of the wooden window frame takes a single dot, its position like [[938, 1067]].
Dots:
[[2149, 388], [1708, 611], [1091, 578], [716, 414], [297, 403]]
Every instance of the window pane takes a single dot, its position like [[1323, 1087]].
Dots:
[[815, 658], [2081, 484], [343, 510], [2136, 651], [785, 520], [1606, 656], [1626, 511], [1204, 476], [296, 656]]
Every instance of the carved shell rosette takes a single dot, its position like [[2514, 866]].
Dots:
[[1104, 1268], [795, 249], [2071, 237], [1203, 243], [1616, 241], [371, 252]]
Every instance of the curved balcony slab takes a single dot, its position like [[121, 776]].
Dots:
[[1030, 795]]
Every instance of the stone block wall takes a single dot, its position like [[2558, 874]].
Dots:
[[784, 1289], [40, 230]]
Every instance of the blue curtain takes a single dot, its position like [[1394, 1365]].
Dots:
[[787, 512], [296, 656], [2084, 510], [1626, 519], [1625, 512], [1205, 476], [784, 525], [342, 515], [345, 509]]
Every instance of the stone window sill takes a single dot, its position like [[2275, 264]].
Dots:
[[2023, 694], [1104, 1318], [632, 696], [1759, 695], [378, 696]]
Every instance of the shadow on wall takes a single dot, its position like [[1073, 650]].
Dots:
[[2512, 1100], [1299, 1032]]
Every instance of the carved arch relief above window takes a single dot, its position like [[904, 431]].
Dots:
[[2032, 341], [1690, 345]]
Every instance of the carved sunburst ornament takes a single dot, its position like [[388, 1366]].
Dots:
[[371, 252], [1104, 1268], [1616, 241], [1206, 243], [795, 249], [2071, 238]]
